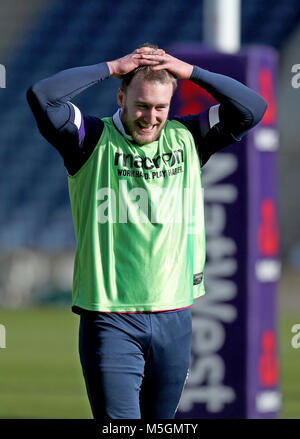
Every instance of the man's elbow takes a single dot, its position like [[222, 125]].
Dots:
[[30, 95], [35, 97], [36, 93], [32, 92], [261, 108]]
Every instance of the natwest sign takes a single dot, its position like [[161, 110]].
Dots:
[[234, 369]]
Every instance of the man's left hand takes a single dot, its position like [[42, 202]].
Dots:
[[180, 69]]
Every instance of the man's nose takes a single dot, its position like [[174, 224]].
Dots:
[[151, 116]]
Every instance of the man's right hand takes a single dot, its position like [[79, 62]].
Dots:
[[126, 64]]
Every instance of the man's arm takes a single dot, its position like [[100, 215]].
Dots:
[[240, 108], [60, 121]]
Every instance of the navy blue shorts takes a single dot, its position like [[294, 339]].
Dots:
[[135, 365]]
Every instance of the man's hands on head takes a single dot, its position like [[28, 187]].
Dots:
[[126, 64], [180, 69], [157, 58]]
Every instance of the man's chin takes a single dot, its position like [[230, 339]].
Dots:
[[142, 142], [143, 139]]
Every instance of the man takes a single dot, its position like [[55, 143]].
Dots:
[[135, 190]]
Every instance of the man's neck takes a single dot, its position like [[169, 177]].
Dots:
[[118, 123]]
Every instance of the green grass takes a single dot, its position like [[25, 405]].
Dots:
[[40, 372], [289, 367]]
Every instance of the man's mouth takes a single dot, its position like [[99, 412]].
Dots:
[[146, 128]]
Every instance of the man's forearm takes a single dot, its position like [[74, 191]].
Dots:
[[66, 84], [59, 121], [242, 107], [48, 102]]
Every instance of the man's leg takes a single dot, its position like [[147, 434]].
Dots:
[[167, 364], [113, 364]]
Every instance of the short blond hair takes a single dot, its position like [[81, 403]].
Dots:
[[163, 76]]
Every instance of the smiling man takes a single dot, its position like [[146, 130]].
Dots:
[[138, 264], [145, 101]]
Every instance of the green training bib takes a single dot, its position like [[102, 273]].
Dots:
[[139, 223]]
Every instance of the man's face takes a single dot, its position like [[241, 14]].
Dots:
[[145, 107]]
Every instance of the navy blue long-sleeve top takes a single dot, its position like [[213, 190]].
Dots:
[[75, 135]]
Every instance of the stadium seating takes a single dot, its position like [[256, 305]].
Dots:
[[35, 208]]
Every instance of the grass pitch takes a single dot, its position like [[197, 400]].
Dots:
[[40, 371]]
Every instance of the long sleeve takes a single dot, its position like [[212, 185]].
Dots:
[[239, 110], [60, 121]]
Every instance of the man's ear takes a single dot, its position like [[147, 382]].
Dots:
[[121, 97]]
